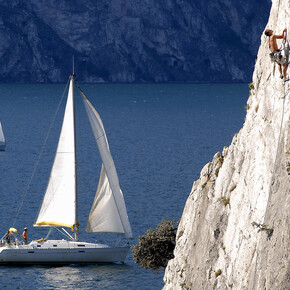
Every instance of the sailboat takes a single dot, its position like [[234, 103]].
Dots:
[[59, 205], [2, 139]]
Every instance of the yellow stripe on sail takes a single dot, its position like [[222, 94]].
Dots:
[[55, 224]]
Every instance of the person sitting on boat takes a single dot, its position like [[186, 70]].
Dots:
[[277, 55], [24, 236], [7, 238]]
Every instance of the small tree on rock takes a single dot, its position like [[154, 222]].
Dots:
[[156, 246]]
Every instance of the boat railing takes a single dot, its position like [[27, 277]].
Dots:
[[120, 242]]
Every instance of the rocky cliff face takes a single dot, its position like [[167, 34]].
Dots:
[[130, 41], [234, 232]]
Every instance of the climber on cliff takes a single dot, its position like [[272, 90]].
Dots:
[[277, 55]]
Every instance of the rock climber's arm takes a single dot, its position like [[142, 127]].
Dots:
[[283, 35]]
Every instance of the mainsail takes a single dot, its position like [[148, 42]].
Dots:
[[59, 203], [108, 213]]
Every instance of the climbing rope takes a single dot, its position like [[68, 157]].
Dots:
[[279, 137], [253, 286], [277, 150], [286, 48], [39, 156], [286, 51]]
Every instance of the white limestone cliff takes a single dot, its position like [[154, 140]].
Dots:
[[234, 231]]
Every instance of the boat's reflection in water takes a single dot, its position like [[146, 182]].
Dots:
[[83, 277]]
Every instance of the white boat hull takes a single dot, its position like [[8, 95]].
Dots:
[[61, 252]]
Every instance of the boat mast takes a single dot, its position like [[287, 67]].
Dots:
[[76, 226]]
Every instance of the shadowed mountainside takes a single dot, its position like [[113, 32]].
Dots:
[[130, 41]]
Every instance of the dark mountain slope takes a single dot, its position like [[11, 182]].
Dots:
[[130, 41]]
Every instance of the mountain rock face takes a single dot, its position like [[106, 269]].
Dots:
[[234, 232], [130, 40]]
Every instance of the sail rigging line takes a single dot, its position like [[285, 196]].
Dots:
[[39, 156], [48, 234], [65, 233]]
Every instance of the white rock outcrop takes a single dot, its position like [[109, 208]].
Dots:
[[234, 232]]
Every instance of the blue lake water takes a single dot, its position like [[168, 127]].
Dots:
[[160, 137]]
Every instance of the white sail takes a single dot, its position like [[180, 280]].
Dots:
[[2, 138], [59, 203], [108, 213]]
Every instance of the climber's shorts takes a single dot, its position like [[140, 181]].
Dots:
[[278, 56]]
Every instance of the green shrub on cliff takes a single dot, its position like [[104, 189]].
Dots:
[[156, 246]]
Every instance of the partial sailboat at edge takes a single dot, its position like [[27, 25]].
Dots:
[[108, 212], [2, 139]]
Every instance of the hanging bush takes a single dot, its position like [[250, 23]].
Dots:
[[156, 246]]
